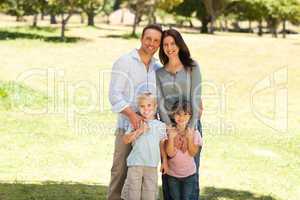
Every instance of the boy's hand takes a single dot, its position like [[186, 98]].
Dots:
[[144, 127]]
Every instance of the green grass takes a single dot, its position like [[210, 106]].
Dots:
[[61, 154]]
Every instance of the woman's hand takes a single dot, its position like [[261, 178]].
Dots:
[[164, 167]]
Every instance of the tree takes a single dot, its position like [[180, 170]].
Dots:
[[214, 8], [91, 8], [140, 8], [66, 9], [14, 8], [186, 9], [284, 10]]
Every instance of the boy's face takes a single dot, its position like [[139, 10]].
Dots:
[[182, 118], [147, 108]]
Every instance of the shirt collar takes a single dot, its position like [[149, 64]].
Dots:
[[134, 53]]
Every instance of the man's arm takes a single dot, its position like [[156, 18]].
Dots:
[[163, 114], [120, 81], [135, 119]]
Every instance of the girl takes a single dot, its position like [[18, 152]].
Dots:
[[182, 145]]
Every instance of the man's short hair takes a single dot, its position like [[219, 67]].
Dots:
[[152, 26]]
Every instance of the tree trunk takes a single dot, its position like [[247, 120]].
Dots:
[[91, 17], [221, 25], [134, 24], [52, 19], [284, 29], [226, 24], [42, 14], [64, 22], [260, 32], [191, 23], [204, 24], [82, 17], [63, 27], [19, 18], [250, 27], [212, 25], [122, 16], [117, 5], [35, 18]]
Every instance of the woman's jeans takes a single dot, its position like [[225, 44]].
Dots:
[[196, 191], [181, 188]]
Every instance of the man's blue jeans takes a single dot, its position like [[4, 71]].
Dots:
[[181, 188], [196, 192]]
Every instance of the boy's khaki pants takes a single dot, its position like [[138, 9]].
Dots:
[[119, 167]]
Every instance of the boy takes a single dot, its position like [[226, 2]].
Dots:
[[142, 162]]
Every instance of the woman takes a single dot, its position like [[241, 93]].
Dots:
[[179, 80]]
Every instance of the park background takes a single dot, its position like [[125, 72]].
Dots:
[[56, 126]]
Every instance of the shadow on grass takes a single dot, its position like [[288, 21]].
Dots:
[[52, 191], [212, 193], [123, 36], [78, 191], [48, 29], [12, 35]]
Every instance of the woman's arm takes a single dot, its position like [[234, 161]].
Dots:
[[195, 95], [163, 114], [164, 164]]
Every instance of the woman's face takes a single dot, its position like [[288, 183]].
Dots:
[[170, 47]]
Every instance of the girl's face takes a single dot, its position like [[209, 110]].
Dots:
[[182, 119], [147, 108], [170, 47]]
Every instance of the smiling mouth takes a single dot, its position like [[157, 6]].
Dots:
[[170, 52]]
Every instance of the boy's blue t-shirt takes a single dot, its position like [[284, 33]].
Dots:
[[145, 150]]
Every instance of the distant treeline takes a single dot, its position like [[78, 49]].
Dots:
[[273, 13]]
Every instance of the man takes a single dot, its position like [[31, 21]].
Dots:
[[132, 74]]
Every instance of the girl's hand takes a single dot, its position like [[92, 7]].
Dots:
[[171, 133], [190, 133]]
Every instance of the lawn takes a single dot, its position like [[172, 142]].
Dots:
[[56, 127]]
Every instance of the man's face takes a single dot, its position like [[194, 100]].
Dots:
[[151, 41]]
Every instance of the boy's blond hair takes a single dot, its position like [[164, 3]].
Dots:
[[147, 96]]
